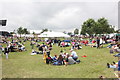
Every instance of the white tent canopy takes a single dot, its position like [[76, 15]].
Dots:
[[53, 34], [35, 31], [23, 35]]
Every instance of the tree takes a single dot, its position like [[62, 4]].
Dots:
[[25, 31], [20, 31], [50, 30], [33, 34], [70, 33], [44, 30], [117, 31], [76, 31], [64, 32], [101, 26], [111, 29], [104, 27], [12, 33], [87, 27]]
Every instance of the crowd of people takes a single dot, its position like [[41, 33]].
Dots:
[[115, 51], [12, 45], [65, 58], [62, 57]]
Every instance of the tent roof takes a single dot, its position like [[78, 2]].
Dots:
[[23, 35], [53, 34], [36, 31]]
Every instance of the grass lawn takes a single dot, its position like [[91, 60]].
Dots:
[[23, 65]]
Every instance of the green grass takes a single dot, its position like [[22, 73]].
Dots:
[[23, 65]]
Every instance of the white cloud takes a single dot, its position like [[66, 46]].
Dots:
[[65, 16], [58, 16]]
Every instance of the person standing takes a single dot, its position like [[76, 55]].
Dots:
[[98, 42], [1, 49], [32, 45], [6, 52]]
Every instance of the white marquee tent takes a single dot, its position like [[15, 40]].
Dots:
[[35, 31], [53, 34], [23, 35]]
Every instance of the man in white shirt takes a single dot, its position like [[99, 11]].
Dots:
[[69, 60], [74, 54]]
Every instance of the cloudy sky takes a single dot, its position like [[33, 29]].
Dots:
[[55, 15]]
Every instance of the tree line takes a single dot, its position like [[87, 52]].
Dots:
[[22, 30], [90, 26]]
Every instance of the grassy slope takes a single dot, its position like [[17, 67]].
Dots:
[[23, 65]]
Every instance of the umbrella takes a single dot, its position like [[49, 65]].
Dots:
[[66, 40]]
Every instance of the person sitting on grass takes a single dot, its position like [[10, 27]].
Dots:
[[62, 44], [79, 46], [49, 60], [102, 78], [86, 42], [33, 52], [114, 65], [115, 48], [74, 54], [64, 55], [11, 48], [21, 47], [112, 44], [50, 46], [61, 52], [40, 48], [59, 61], [55, 58], [76, 45], [69, 60]]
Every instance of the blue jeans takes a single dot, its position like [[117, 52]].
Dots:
[[58, 63], [75, 58]]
